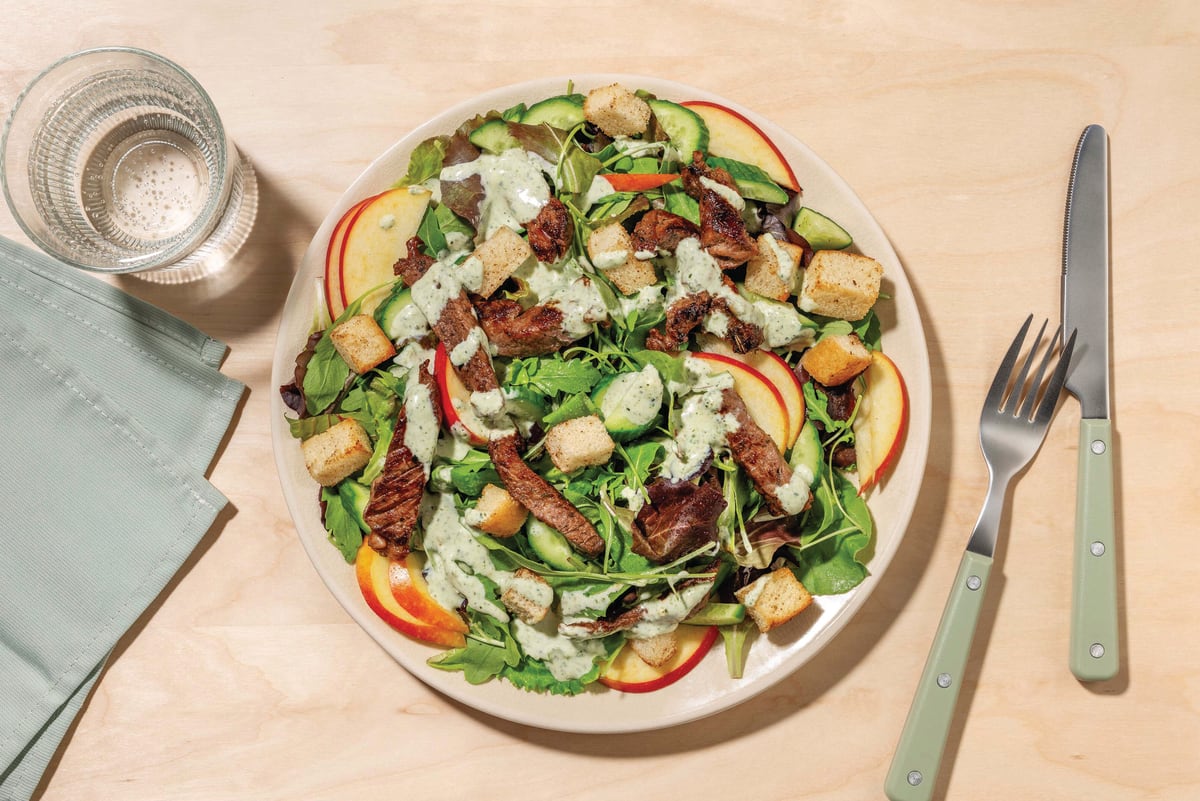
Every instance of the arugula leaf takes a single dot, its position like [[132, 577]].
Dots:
[[534, 676], [326, 376], [439, 220], [341, 526], [553, 376], [868, 330], [372, 405], [834, 562], [473, 472], [680, 202], [425, 161]]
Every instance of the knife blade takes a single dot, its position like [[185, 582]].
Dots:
[[1094, 643]]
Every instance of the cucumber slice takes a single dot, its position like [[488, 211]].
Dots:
[[807, 451], [752, 181], [718, 614], [551, 546], [493, 136], [629, 402], [685, 127], [355, 497], [820, 231], [563, 111], [395, 315]]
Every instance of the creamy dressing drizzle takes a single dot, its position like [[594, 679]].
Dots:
[[731, 195], [470, 273], [785, 265], [702, 426], [567, 658], [421, 427], [514, 185], [664, 614], [436, 288], [610, 259], [461, 353], [794, 494], [697, 271], [564, 285], [782, 325], [407, 326]]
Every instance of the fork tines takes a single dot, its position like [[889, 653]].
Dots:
[[1025, 397]]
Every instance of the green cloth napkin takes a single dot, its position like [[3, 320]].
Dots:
[[110, 413]]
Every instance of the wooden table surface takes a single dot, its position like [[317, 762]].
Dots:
[[955, 122]]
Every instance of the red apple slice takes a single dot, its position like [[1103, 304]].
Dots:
[[776, 371], [333, 260], [881, 420], [371, 569], [376, 238], [456, 400], [763, 400], [411, 592], [733, 136], [629, 674]]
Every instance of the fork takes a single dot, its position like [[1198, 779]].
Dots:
[[1016, 415]]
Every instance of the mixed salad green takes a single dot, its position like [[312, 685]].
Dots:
[[654, 404]]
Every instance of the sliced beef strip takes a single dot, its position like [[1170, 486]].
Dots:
[[682, 317], [743, 336], [679, 518], [723, 232], [540, 498], [660, 230], [394, 507], [515, 331], [551, 232], [756, 452]]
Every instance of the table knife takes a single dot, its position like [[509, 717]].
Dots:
[[1094, 646]]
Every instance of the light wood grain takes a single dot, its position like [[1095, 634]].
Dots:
[[955, 122]]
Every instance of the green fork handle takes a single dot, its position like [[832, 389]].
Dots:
[[914, 768], [1095, 651]]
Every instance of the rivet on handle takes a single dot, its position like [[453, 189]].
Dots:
[[1098, 446], [1097, 650], [1097, 548], [914, 777]]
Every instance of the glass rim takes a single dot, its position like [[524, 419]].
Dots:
[[224, 155]]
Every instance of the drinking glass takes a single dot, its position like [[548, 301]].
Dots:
[[115, 160]]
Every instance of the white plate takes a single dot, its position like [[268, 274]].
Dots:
[[708, 688]]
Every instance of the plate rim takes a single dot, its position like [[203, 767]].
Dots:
[[916, 374]]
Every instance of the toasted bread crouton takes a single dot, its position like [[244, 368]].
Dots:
[[361, 343], [616, 111], [658, 650], [840, 284], [836, 359], [774, 599], [497, 512], [610, 247], [336, 452], [528, 596], [772, 272], [501, 255], [580, 442]]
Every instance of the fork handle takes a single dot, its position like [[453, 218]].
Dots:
[[914, 768], [1094, 654]]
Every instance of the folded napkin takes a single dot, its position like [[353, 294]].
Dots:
[[110, 413]]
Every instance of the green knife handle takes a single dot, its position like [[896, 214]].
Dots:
[[914, 768], [1095, 645]]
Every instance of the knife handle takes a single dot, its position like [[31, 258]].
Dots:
[[914, 768], [1095, 644]]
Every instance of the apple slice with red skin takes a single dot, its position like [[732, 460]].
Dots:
[[411, 592], [733, 136], [638, 182], [372, 571], [456, 400], [776, 371], [881, 420], [763, 399], [376, 237], [629, 674], [333, 260]]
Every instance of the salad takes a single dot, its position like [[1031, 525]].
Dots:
[[585, 395]]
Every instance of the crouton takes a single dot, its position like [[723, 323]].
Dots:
[[501, 255], [361, 343], [497, 512], [840, 284], [336, 452], [610, 247], [658, 650], [616, 111], [580, 442], [773, 270], [836, 359], [528, 596], [774, 599]]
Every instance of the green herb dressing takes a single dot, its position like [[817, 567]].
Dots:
[[514, 185], [702, 426], [634, 398], [664, 614]]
